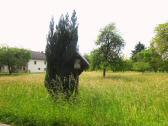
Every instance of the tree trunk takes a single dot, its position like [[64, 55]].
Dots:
[[104, 72], [10, 69]]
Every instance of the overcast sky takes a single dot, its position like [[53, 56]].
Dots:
[[24, 23]]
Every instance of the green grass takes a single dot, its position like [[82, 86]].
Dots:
[[121, 99]]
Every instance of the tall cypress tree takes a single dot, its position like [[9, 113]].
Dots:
[[61, 45]]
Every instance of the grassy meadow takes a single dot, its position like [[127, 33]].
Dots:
[[121, 99]]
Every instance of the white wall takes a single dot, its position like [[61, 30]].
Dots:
[[4, 69], [40, 66]]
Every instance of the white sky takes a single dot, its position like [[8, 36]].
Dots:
[[24, 23]]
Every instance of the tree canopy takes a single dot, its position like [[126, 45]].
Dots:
[[14, 57], [110, 44], [160, 40], [138, 48], [154, 58]]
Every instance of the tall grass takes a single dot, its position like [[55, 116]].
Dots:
[[121, 99]]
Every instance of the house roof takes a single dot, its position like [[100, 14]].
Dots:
[[85, 62], [38, 55]]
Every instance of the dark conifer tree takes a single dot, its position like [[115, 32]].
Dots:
[[61, 45], [138, 48]]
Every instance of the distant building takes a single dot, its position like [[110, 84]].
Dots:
[[36, 64], [3, 69]]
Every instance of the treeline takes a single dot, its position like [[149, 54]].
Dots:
[[153, 58]]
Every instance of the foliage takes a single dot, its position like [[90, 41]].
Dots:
[[160, 40], [123, 65], [154, 60], [138, 48], [14, 58], [160, 45], [164, 66], [110, 44], [61, 46], [96, 60], [122, 99], [141, 66]]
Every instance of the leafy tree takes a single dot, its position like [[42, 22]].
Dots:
[[138, 48], [163, 66], [110, 44], [95, 60], [160, 40], [14, 58], [61, 46], [141, 66], [149, 56], [160, 45], [128, 64], [123, 65]]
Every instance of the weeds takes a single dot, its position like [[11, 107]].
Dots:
[[121, 99]]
